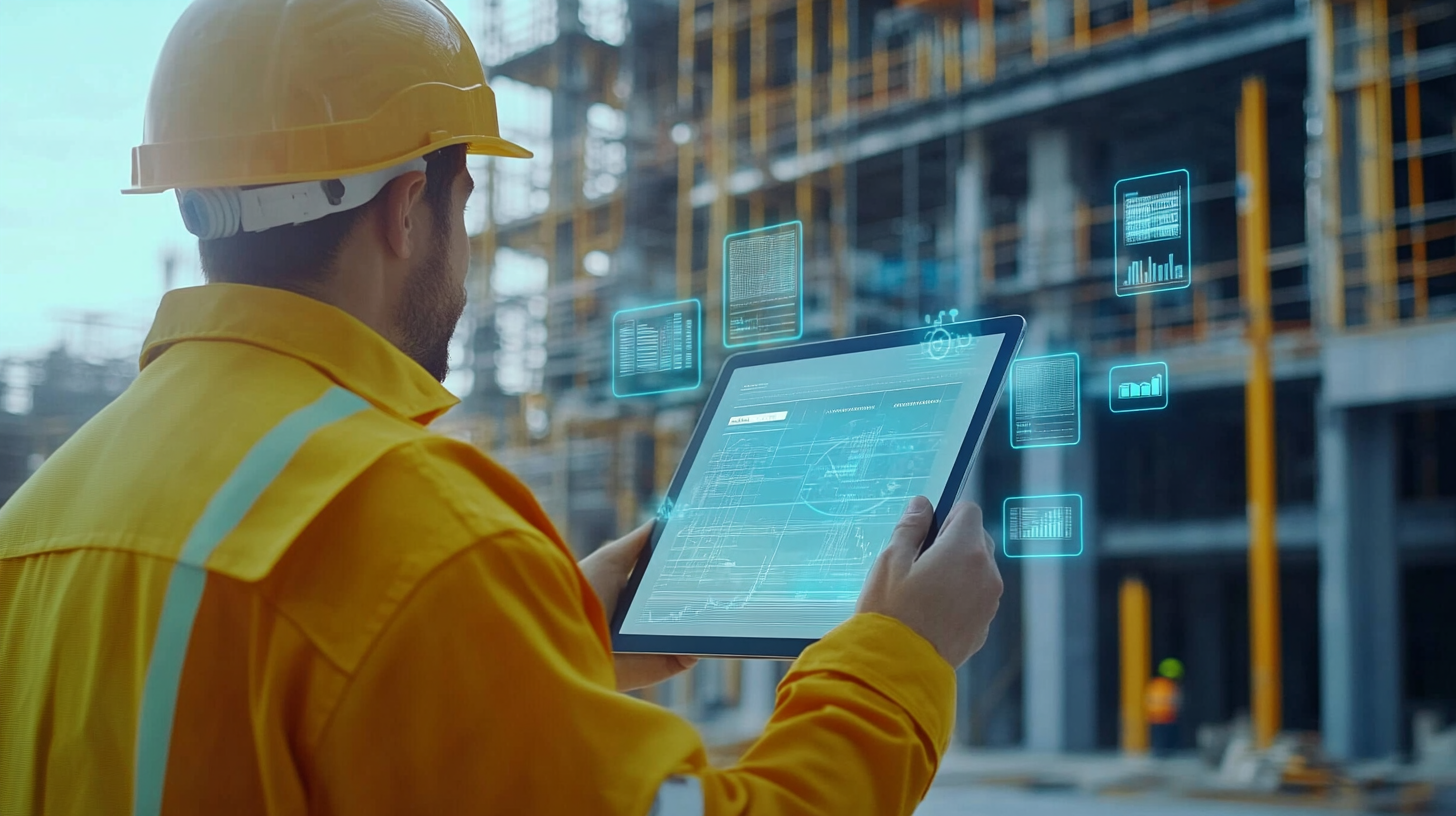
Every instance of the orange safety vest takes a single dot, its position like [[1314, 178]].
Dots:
[[257, 584], [1163, 701]]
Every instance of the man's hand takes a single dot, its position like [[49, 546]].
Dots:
[[951, 592], [607, 570]]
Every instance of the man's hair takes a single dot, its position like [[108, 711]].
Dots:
[[299, 255]]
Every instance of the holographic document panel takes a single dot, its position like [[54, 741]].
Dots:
[[798, 484], [763, 285], [1045, 409], [1151, 219], [1137, 387], [1042, 526], [657, 348]]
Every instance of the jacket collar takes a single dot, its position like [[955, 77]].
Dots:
[[325, 337]]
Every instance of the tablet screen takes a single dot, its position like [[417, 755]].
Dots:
[[799, 481]]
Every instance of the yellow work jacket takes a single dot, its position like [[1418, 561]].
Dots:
[[257, 584]]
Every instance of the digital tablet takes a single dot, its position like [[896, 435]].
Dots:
[[800, 466]]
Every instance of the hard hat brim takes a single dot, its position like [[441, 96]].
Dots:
[[475, 146], [496, 146]]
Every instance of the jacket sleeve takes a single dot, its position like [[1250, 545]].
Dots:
[[492, 691]]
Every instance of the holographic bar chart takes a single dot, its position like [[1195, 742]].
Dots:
[[1139, 272], [1042, 526], [1152, 232], [1137, 387]]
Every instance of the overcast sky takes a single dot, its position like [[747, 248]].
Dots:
[[74, 76]]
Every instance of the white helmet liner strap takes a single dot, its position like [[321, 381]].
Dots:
[[218, 212]]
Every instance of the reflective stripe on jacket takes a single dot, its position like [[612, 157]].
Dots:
[[388, 624]]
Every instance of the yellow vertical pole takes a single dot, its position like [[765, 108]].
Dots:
[[1039, 32], [1331, 215], [1415, 169], [804, 113], [721, 152], [757, 97], [1140, 16], [1081, 24], [1134, 619], [758, 76], [1082, 219], [838, 113], [1376, 172], [950, 35], [986, 16], [686, 42], [839, 61], [804, 73], [880, 66], [1259, 413], [988, 256], [685, 220], [923, 51], [839, 247]]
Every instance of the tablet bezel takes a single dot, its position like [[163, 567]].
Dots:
[[1012, 326]]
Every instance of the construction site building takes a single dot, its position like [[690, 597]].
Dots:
[[945, 154]]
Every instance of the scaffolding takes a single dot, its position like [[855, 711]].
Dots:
[[1387, 222], [902, 136]]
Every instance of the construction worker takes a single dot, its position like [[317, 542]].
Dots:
[[1164, 699], [256, 583]]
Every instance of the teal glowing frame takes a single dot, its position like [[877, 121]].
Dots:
[[1005, 526], [1011, 420], [1117, 245], [1112, 397], [727, 300], [697, 345]]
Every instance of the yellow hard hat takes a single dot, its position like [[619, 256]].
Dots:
[[254, 92]]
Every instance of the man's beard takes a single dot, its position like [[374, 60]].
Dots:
[[428, 312]]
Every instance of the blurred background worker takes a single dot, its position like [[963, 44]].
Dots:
[[1164, 699], [256, 583]]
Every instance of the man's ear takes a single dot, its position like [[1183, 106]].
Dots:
[[401, 219]]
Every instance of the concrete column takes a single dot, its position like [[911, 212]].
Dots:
[[1204, 637], [968, 680], [1048, 252], [1359, 583], [1059, 609], [756, 702], [1058, 602], [970, 220], [1059, 23], [910, 231]]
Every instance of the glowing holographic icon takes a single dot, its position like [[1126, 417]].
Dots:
[[763, 285], [657, 348], [1152, 233], [1137, 387], [1042, 526], [945, 335], [1046, 405]]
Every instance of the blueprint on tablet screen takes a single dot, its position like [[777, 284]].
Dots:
[[796, 487]]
